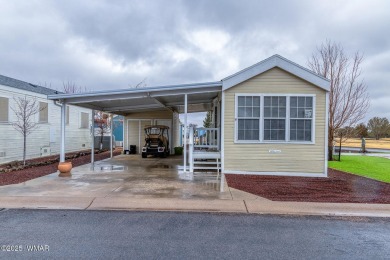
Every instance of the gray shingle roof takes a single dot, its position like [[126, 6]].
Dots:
[[15, 83]]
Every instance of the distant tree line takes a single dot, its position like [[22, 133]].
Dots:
[[376, 127]]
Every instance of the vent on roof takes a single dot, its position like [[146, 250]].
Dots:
[[35, 86]]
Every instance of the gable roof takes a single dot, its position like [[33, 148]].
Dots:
[[272, 62], [15, 83]]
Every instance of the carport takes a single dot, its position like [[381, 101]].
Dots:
[[180, 99]]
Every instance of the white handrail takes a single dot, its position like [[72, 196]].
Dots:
[[206, 138]]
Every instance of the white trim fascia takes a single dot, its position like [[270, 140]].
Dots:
[[145, 92], [273, 142], [271, 62], [291, 174], [326, 132], [313, 120], [222, 111]]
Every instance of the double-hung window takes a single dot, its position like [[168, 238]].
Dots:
[[301, 117], [274, 118], [248, 118]]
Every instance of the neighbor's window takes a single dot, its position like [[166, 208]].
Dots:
[[4, 105], [84, 120], [248, 117], [275, 118], [67, 115], [43, 112], [301, 117]]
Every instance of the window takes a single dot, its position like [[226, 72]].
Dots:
[[279, 118], [84, 120], [4, 105], [301, 116], [275, 118], [43, 112], [67, 115], [248, 118]]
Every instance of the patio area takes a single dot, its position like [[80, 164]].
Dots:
[[126, 176]]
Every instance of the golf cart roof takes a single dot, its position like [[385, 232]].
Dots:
[[156, 126]]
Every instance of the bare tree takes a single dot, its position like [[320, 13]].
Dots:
[[102, 123], [72, 88], [348, 98], [140, 84], [25, 110], [378, 127]]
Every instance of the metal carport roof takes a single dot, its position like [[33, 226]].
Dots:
[[125, 101]]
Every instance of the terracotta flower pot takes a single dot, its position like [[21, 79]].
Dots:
[[65, 168]]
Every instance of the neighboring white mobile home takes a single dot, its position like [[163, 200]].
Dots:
[[45, 139]]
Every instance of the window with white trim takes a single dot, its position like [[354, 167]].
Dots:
[[4, 106], [248, 118], [301, 117], [277, 118], [84, 120], [43, 112]]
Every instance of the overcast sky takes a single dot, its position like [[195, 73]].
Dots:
[[116, 44]]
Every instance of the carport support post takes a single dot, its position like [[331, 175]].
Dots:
[[185, 133], [111, 130], [63, 116], [93, 140]]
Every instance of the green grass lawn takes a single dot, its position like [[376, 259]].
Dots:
[[368, 166]]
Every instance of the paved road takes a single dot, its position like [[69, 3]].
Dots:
[[168, 235]]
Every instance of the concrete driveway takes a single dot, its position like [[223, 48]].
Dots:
[[125, 176]]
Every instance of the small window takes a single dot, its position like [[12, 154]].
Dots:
[[248, 118], [67, 115], [301, 116], [84, 120], [275, 118], [43, 112], [4, 106]]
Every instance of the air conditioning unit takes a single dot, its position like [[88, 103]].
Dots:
[[45, 151], [2, 154]]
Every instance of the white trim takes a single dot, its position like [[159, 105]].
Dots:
[[261, 126], [222, 118], [271, 62], [296, 174], [326, 132]]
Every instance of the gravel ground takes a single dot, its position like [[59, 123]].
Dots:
[[339, 187], [35, 172]]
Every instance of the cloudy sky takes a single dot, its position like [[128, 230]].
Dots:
[[116, 44]]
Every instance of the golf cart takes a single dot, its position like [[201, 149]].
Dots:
[[156, 141]]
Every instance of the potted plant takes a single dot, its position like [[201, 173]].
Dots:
[[178, 150]]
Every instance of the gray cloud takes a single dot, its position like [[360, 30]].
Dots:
[[116, 44]]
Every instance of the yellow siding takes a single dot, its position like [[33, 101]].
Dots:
[[295, 158]]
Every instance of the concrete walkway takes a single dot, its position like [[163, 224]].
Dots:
[[156, 184]]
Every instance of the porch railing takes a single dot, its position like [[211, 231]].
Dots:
[[206, 138]]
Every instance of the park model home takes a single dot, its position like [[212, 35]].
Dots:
[[270, 118], [44, 140]]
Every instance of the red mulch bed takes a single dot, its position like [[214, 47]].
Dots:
[[339, 187], [20, 176]]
